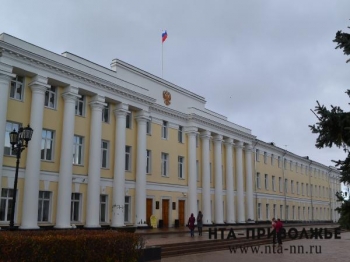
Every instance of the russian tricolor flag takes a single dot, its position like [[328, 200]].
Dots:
[[164, 36]]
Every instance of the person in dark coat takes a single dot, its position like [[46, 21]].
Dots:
[[190, 224], [200, 223], [278, 228]]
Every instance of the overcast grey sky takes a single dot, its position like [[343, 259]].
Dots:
[[261, 63]]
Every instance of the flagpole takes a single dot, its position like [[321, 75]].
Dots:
[[162, 59]]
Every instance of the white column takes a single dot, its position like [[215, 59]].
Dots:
[[239, 174], [205, 136], [230, 198], [219, 216], [249, 182], [32, 175], [141, 163], [119, 167], [192, 174], [70, 95], [5, 80], [94, 186]]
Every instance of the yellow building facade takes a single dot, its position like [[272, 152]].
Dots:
[[111, 147]]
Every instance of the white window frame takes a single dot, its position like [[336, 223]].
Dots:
[[181, 169], [17, 84], [76, 146], [165, 125], [51, 97], [149, 161], [149, 127], [298, 192], [80, 104], [164, 164], [280, 184], [274, 210], [106, 113], [258, 185], [267, 211], [128, 157], [43, 199], [272, 159], [105, 154], [180, 137], [281, 212], [266, 179], [73, 208], [104, 203], [257, 155], [265, 157], [45, 140], [259, 211], [128, 120], [8, 203], [302, 189], [273, 181], [10, 126], [286, 185], [127, 209], [292, 186]]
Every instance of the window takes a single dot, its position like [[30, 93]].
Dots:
[[103, 208], [301, 168], [10, 126], [287, 212], [197, 169], [127, 158], [75, 207], [302, 188], [258, 180], [181, 166], [303, 218], [307, 189], [80, 106], [266, 182], [274, 210], [78, 150], [293, 212], [165, 159], [105, 114], [127, 209], [6, 204], [286, 185], [298, 188], [279, 161], [180, 134], [308, 213], [272, 159], [280, 183], [211, 178], [265, 157], [149, 162], [273, 183], [281, 211], [104, 154], [291, 165], [296, 167], [165, 130], [257, 155], [128, 120], [17, 88], [292, 186], [259, 211], [148, 127], [299, 213], [50, 97], [44, 206], [285, 163], [47, 144], [267, 211]]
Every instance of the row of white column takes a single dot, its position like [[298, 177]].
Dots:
[[32, 173], [218, 196]]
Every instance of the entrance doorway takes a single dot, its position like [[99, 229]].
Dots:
[[181, 213], [165, 212], [149, 210]]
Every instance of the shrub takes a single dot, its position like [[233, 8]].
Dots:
[[70, 245]]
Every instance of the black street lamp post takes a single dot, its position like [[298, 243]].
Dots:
[[19, 141]]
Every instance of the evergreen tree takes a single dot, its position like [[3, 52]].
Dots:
[[333, 128]]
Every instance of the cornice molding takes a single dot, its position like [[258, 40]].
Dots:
[[18, 54]]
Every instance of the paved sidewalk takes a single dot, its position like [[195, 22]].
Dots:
[[322, 250]]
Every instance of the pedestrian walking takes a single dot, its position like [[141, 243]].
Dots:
[[273, 226], [190, 224], [200, 223], [279, 227]]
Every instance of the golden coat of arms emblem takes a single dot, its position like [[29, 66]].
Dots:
[[167, 97]]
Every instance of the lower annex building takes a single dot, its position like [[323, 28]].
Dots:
[[115, 146]]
